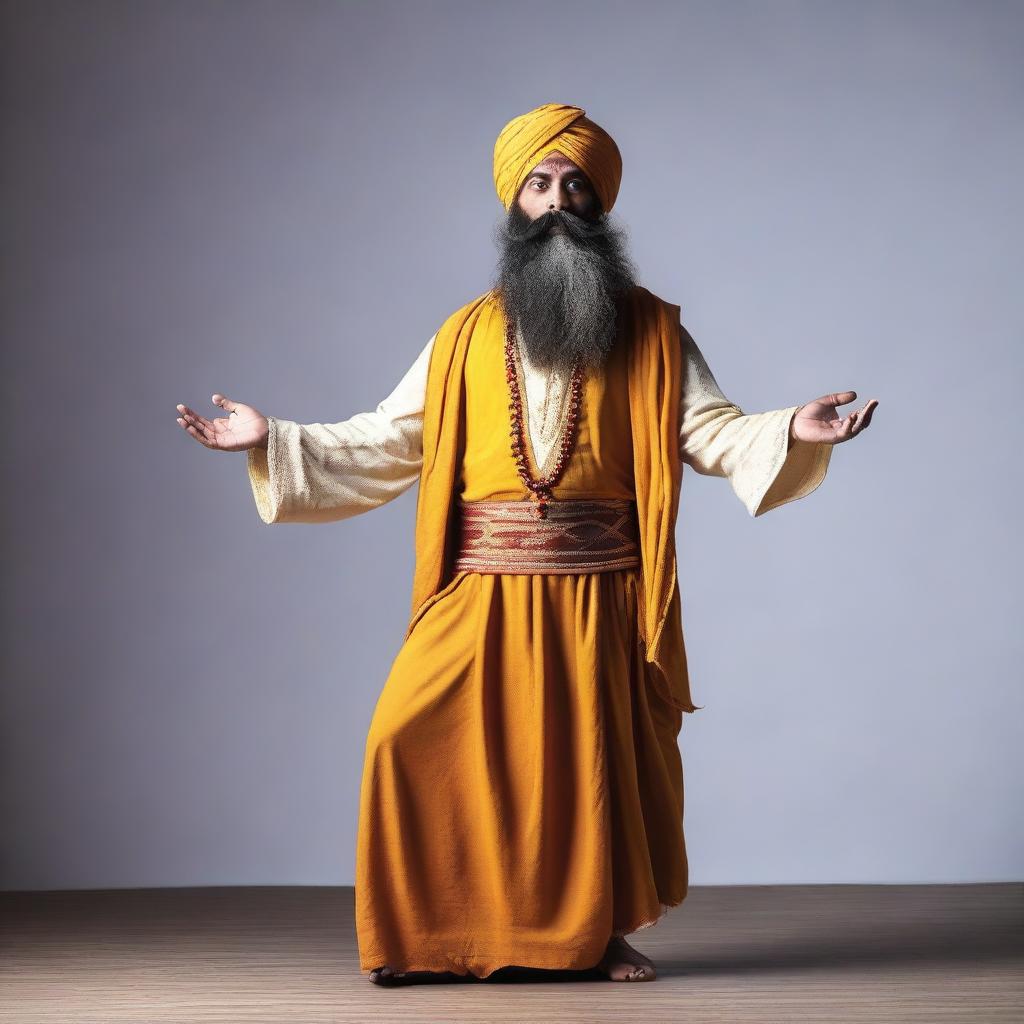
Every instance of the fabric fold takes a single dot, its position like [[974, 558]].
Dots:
[[652, 328], [313, 473]]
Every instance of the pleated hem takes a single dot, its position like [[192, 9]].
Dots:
[[538, 957]]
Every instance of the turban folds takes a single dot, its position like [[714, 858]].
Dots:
[[527, 139]]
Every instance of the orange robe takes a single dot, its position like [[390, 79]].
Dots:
[[522, 791]]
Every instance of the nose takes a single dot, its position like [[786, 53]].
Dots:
[[558, 201]]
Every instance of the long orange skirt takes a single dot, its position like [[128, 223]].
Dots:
[[522, 791]]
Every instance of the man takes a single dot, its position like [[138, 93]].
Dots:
[[522, 797]]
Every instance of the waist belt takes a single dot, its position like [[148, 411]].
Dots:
[[595, 535]]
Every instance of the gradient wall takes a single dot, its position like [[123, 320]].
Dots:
[[282, 202]]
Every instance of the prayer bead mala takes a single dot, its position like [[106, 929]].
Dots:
[[541, 488]]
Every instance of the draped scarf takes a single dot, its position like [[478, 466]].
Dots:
[[654, 373]]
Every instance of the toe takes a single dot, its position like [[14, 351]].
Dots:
[[385, 975]]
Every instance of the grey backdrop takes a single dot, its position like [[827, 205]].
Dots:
[[282, 201]]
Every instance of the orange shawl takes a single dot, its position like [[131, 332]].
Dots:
[[654, 392]]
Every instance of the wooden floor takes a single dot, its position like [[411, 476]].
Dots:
[[728, 954]]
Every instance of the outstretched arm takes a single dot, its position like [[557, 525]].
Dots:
[[770, 458], [321, 472]]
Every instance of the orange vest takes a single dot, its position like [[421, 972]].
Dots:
[[655, 369]]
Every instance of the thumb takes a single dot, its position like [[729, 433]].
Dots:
[[224, 402], [840, 397]]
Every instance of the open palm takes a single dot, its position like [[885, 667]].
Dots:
[[244, 427], [819, 421]]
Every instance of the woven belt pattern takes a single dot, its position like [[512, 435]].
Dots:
[[594, 535]]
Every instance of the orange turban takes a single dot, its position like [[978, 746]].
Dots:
[[527, 139]]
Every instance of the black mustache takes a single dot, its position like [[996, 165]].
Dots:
[[576, 227]]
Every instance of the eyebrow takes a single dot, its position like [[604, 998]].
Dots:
[[547, 177]]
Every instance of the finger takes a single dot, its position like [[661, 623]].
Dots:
[[190, 416], [839, 398], [188, 413], [852, 425], [199, 423], [200, 437], [864, 416], [868, 410], [224, 402], [200, 433]]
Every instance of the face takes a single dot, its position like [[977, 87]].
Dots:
[[556, 183], [563, 267]]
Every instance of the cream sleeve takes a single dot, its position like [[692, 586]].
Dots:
[[717, 438], [321, 472]]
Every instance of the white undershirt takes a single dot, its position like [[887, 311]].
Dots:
[[545, 394], [319, 472]]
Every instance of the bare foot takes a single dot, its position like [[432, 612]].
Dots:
[[621, 962], [389, 976], [386, 976]]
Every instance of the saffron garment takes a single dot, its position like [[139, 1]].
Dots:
[[323, 472], [522, 791]]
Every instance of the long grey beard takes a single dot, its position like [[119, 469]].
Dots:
[[563, 291]]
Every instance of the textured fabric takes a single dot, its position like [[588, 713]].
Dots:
[[547, 393], [650, 330], [655, 381], [323, 472], [526, 140], [522, 792], [598, 535], [522, 789]]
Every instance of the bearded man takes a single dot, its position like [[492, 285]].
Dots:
[[522, 791]]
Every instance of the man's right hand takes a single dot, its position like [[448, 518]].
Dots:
[[244, 427]]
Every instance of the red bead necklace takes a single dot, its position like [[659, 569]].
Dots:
[[540, 488]]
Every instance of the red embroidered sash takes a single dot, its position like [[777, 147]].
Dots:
[[595, 535]]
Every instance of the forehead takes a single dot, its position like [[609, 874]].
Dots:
[[556, 163]]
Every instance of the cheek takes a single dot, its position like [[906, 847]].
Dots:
[[532, 202]]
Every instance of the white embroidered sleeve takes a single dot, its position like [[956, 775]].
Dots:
[[717, 438], [321, 472]]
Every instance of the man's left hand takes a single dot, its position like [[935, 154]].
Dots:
[[818, 421]]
